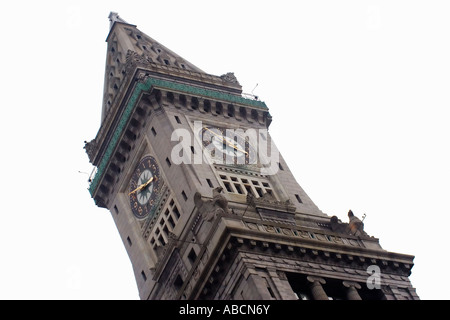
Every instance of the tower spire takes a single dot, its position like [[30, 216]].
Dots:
[[125, 39], [113, 18]]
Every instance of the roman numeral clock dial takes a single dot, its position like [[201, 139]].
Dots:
[[144, 187]]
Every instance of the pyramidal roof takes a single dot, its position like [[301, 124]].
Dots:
[[126, 39], [131, 38]]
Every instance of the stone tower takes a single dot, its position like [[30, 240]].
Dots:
[[206, 206]]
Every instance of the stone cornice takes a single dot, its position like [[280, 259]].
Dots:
[[239, 234], [311, 239]]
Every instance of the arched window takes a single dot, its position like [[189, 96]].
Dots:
[[243, 112], [194, 103], [206, 106], [219, 108], [255, 115], [230, 110]]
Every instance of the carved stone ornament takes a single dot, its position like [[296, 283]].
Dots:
[[134, 59], [212, 208], [230, 77], [269, 201], [91, 149], [355, 226]]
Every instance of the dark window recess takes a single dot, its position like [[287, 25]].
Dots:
[[166, 62], [177, 119], [130, 135], [143, 275], [280, 166], [243, 112], [219, 108], [227, 186], [178, 282], [153, 131], [184, 195], [182, 99], [116, 210], [298, 198], [260, 193], [230, 110], [129, 241], [177, 213], [171, 222], [255, 115], [206, 106], [171, 99], [168, 162], [209, 183], [192, 256], [194, 103]]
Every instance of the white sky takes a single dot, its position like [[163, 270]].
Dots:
[[358, 91]]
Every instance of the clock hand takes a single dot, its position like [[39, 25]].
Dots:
[[234, 146], [142, 186], [237, 149], [226, 141], [136, 190], [217, 135], [147, 183]]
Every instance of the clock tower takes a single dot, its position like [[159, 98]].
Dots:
[[206, 206]]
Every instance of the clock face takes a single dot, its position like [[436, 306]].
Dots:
[[227, 146], [144, 187]]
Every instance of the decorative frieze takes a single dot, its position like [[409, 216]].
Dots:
[[305, 234]]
